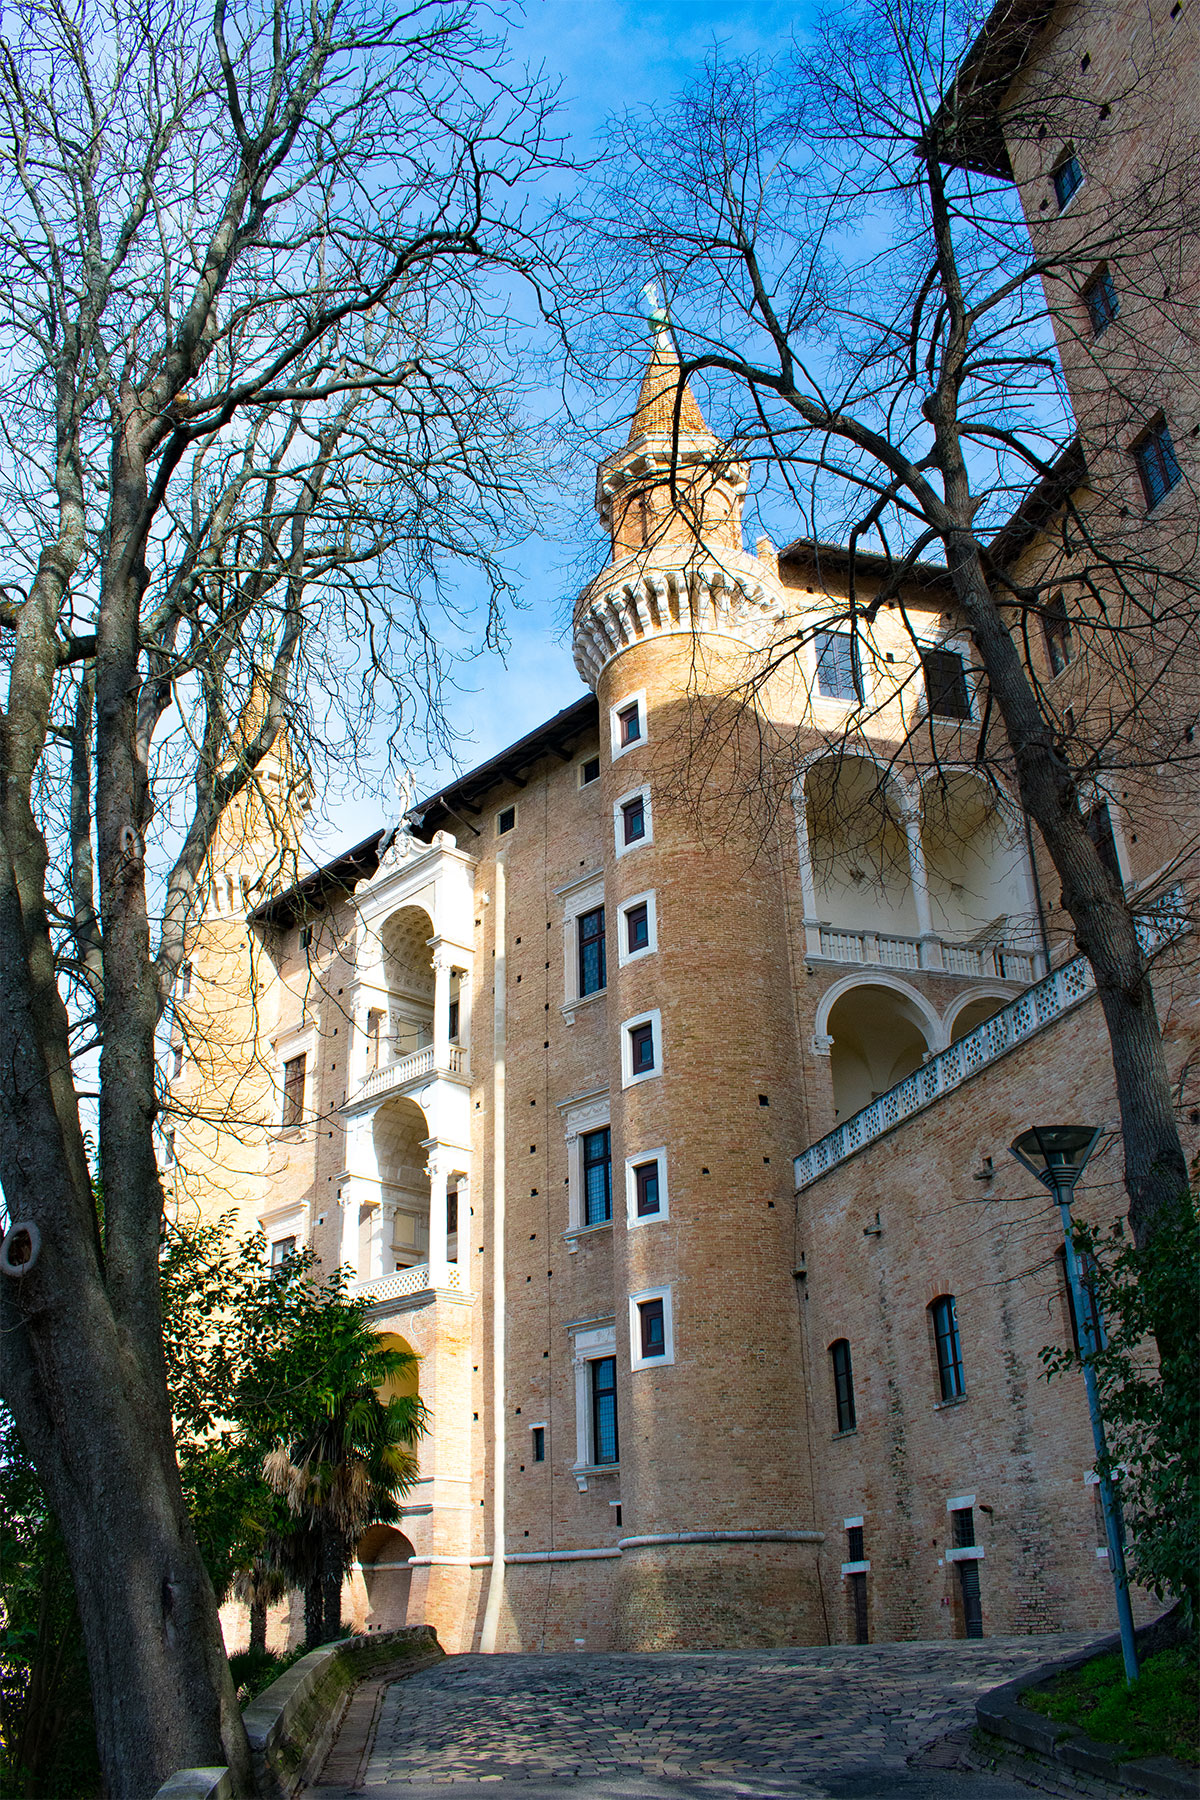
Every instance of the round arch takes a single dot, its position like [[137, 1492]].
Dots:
[[384, 1556], [878, 1033], [932, 1024], [852, 828], [971, 1008], [976, 858]]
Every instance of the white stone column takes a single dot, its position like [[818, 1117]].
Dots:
[[349, 1251], [931, 944], [438, 1170], [442, 964], [812, 925], [464, 1010]]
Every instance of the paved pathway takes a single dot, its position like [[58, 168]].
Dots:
[[835, 1722]]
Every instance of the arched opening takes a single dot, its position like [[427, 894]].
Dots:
[[384, 1555], [974, 1013], [880, 1035], [975, 862], [401, 1223], [857, 848], [398, 1387], [408, 975]]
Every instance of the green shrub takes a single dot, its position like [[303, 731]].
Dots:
[[254, 1670], [1157, 1716]]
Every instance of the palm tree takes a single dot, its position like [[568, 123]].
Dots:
[[348, 1468]]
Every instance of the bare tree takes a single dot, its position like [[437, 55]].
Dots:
[[847, 266], [256, 387]]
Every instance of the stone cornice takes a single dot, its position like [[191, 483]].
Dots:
[[729, 593]]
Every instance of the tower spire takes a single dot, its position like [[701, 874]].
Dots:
[[654, 414]]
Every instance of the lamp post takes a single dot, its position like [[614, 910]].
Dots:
[[1056, 1155]]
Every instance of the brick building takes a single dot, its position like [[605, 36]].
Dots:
[[663, 1108]]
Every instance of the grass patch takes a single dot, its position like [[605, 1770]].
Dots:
[[1158, 1716], [254, 1670]]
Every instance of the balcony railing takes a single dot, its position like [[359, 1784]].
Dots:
[[417, 1063], [1046, 1000], [422, 1278], [1000, 961]]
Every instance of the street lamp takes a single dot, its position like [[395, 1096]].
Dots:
[[1056, 1155]]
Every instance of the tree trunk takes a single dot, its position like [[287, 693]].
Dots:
[[1155, 1166], [81, 1372], [331, 1579], [258, 1626], [314, 1606]]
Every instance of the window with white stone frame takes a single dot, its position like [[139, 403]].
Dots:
[[597, 1433], [948, 686], [651, 1329], [627, 723], [584, 1116], [581, 901], [633, 821], [646, 1201], [641, 1048], [637, 927]]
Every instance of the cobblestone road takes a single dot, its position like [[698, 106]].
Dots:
[[807, 1722]]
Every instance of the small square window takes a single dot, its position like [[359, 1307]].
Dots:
[[633, 819], [629, 724], [946, 693], [637, 927], [652, 1330], [962, 1527], [589, 771], [1100, 298], [1157, 464], [1067, 178], [641, 1049], [645, 1181], [839, 676], [538, 1434], [506, 819]]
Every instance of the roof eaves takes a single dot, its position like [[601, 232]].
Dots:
[[967, 124], [509, 765]]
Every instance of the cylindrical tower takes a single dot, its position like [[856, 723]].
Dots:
[[719, 1545]]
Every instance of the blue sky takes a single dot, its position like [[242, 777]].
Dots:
[[609, 54]]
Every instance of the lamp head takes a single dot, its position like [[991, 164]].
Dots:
[[1056, 1154]]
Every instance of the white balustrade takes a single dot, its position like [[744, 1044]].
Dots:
[[1047, 999], [999, 961], [402, 1284], [410, 1068]]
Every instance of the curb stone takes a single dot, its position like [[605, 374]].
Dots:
[[292, 1724], [1000, 1715]]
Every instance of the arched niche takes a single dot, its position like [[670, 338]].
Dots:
[[881, 1033], [976, 864], [400, 1131], [857, 847], [384, 1556], [408, 976]]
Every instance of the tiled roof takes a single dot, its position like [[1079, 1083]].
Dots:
[[654, 415]]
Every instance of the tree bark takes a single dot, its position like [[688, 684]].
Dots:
[[331, 1580], [314, 1607], [258, 1626]]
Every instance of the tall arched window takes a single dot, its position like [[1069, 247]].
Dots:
[[843, 1384], [948, 1348]]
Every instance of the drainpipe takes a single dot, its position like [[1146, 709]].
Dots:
[[495, 1597]]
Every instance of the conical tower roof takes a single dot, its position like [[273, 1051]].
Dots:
[[654, 415]]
